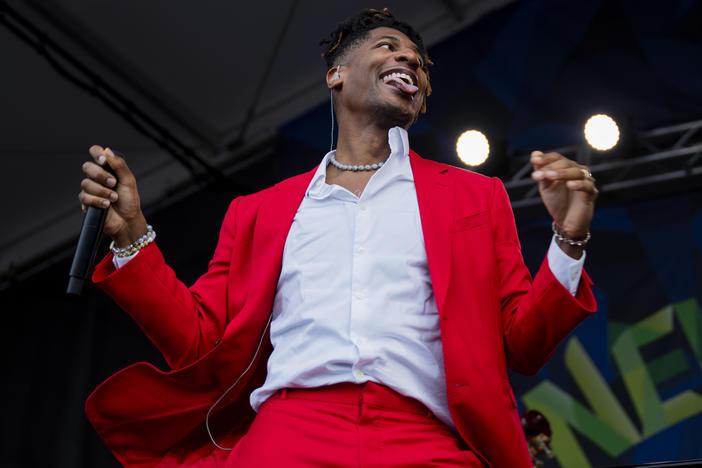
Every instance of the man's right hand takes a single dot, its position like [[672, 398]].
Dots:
[[125, 222]]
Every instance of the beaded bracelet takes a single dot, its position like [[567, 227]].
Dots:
[[135, 246], [568, 240]]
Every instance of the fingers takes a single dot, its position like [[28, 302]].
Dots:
[[87, 199], [554, 167], [93, 188], [95, 194], [124, 175], [96, 152], [99, 187], [98, 174], [540, 159], [583, 186], [550, 173], [117, 164]]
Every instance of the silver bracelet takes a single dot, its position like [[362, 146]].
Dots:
[[568, 240], [135, 246]]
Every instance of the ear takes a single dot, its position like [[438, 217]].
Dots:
[[334, 78]]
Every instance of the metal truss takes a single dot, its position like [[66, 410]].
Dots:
[[662, 158]]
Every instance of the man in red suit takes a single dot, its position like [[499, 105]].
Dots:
[[361, 314]]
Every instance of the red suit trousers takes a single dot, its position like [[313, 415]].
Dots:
[[348, 426]]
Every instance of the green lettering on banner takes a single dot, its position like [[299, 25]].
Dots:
[[637, 379], [668, 366], [690, 318], [606, 424]]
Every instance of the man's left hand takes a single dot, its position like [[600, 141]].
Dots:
[[567, 190]]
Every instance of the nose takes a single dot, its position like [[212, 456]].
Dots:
[[410, 56]]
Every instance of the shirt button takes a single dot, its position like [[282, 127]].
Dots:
[[358, 373], [363, 207], [573, 276], [359, 295], [361, 250]]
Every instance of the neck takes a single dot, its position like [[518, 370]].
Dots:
[[362, 144]]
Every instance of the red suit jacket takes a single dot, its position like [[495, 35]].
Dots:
[[492, 316]]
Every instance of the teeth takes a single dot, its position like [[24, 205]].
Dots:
[[403, 76]]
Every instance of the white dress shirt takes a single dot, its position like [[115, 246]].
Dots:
[[354, 300]]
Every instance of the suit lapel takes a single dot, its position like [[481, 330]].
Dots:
[[275, 216], [435, 196]]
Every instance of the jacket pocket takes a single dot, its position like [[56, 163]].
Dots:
[[471, 221]]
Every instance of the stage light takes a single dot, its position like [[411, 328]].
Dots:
[[472, 148], [601, 132]]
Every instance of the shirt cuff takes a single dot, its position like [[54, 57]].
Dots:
[[119, 262], [566, 269]]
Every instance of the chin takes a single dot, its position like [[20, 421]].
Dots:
[[391, 115]]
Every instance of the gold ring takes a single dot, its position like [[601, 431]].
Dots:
[[586, 173]]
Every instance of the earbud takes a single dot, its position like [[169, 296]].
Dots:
[[335, 76]]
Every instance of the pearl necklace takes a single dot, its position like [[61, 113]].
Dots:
[[346, 167]]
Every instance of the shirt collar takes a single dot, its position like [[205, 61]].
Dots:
[[397, 162]]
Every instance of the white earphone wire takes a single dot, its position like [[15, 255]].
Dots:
[[331, 99], [335, 77]]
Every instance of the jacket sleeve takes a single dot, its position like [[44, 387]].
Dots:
[[536, 314], [184, 323]]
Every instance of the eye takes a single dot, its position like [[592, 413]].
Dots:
[[385, 45]]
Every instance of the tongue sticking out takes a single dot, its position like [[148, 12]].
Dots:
[[402, 85]]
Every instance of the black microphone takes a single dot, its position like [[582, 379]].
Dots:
[[88, 243]]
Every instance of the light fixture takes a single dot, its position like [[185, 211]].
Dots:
[[601, 132], [472, 148]]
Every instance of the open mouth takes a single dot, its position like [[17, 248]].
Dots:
[[402, 79]]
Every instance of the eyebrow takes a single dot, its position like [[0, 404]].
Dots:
[[397, 41]]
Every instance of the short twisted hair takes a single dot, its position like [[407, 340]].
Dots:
[[353, 30]]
